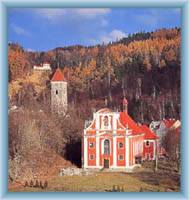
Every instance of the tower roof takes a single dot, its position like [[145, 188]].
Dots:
[[58, 76]]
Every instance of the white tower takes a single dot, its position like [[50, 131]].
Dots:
[[59, 100]]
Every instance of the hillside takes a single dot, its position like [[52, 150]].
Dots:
[[144, 67]]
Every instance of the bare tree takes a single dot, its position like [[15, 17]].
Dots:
[[171, 143]]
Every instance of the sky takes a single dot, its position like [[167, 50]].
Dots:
[[42, 29]]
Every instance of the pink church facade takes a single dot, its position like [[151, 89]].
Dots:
[[113, 140]]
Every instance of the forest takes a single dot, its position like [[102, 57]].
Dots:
[[144, 67]]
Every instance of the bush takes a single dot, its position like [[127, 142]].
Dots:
[[45, 184], [31, 183], [36, 183]]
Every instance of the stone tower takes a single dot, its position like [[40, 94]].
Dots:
[[59, 100]]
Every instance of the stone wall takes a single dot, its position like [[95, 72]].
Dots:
[[74, 171]]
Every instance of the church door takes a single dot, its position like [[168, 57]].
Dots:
[[106, 163]]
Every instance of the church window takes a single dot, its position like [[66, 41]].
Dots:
[[120, 145], [106, 147], [105, 121], [56, 91], [120, 157], [91, 144]]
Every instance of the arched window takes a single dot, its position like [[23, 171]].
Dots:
[[120, 145], [105, 121], [120, 157], [106, 147], [91, 157], [91, 144]]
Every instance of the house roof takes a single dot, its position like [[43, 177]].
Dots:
[[172, 123], [169, 122], [148, 133], [176, 127], [127, 121], [58, 76]]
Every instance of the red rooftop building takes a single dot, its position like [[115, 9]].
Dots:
[[114, 140]]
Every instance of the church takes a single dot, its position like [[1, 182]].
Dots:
[[114, 140]]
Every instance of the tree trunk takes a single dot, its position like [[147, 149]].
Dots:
[[156, 159], [109, 87]]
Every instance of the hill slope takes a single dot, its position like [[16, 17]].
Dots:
[[145, 67]]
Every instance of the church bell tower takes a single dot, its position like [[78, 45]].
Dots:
[[125, 105]]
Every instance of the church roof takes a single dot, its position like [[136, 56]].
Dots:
[[148, 133], [58, 76], [127, 121], [105, 110]]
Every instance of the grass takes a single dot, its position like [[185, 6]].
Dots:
[[98, 182], [143, 179], [106, 181]]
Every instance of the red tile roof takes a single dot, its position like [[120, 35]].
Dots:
[[148, 133], [169, 123], [58, 76], [126, 120]]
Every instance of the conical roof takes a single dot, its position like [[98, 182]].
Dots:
[[58, 76]]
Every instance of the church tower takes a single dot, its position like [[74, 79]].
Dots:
[[59, 100], [125, 105]]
